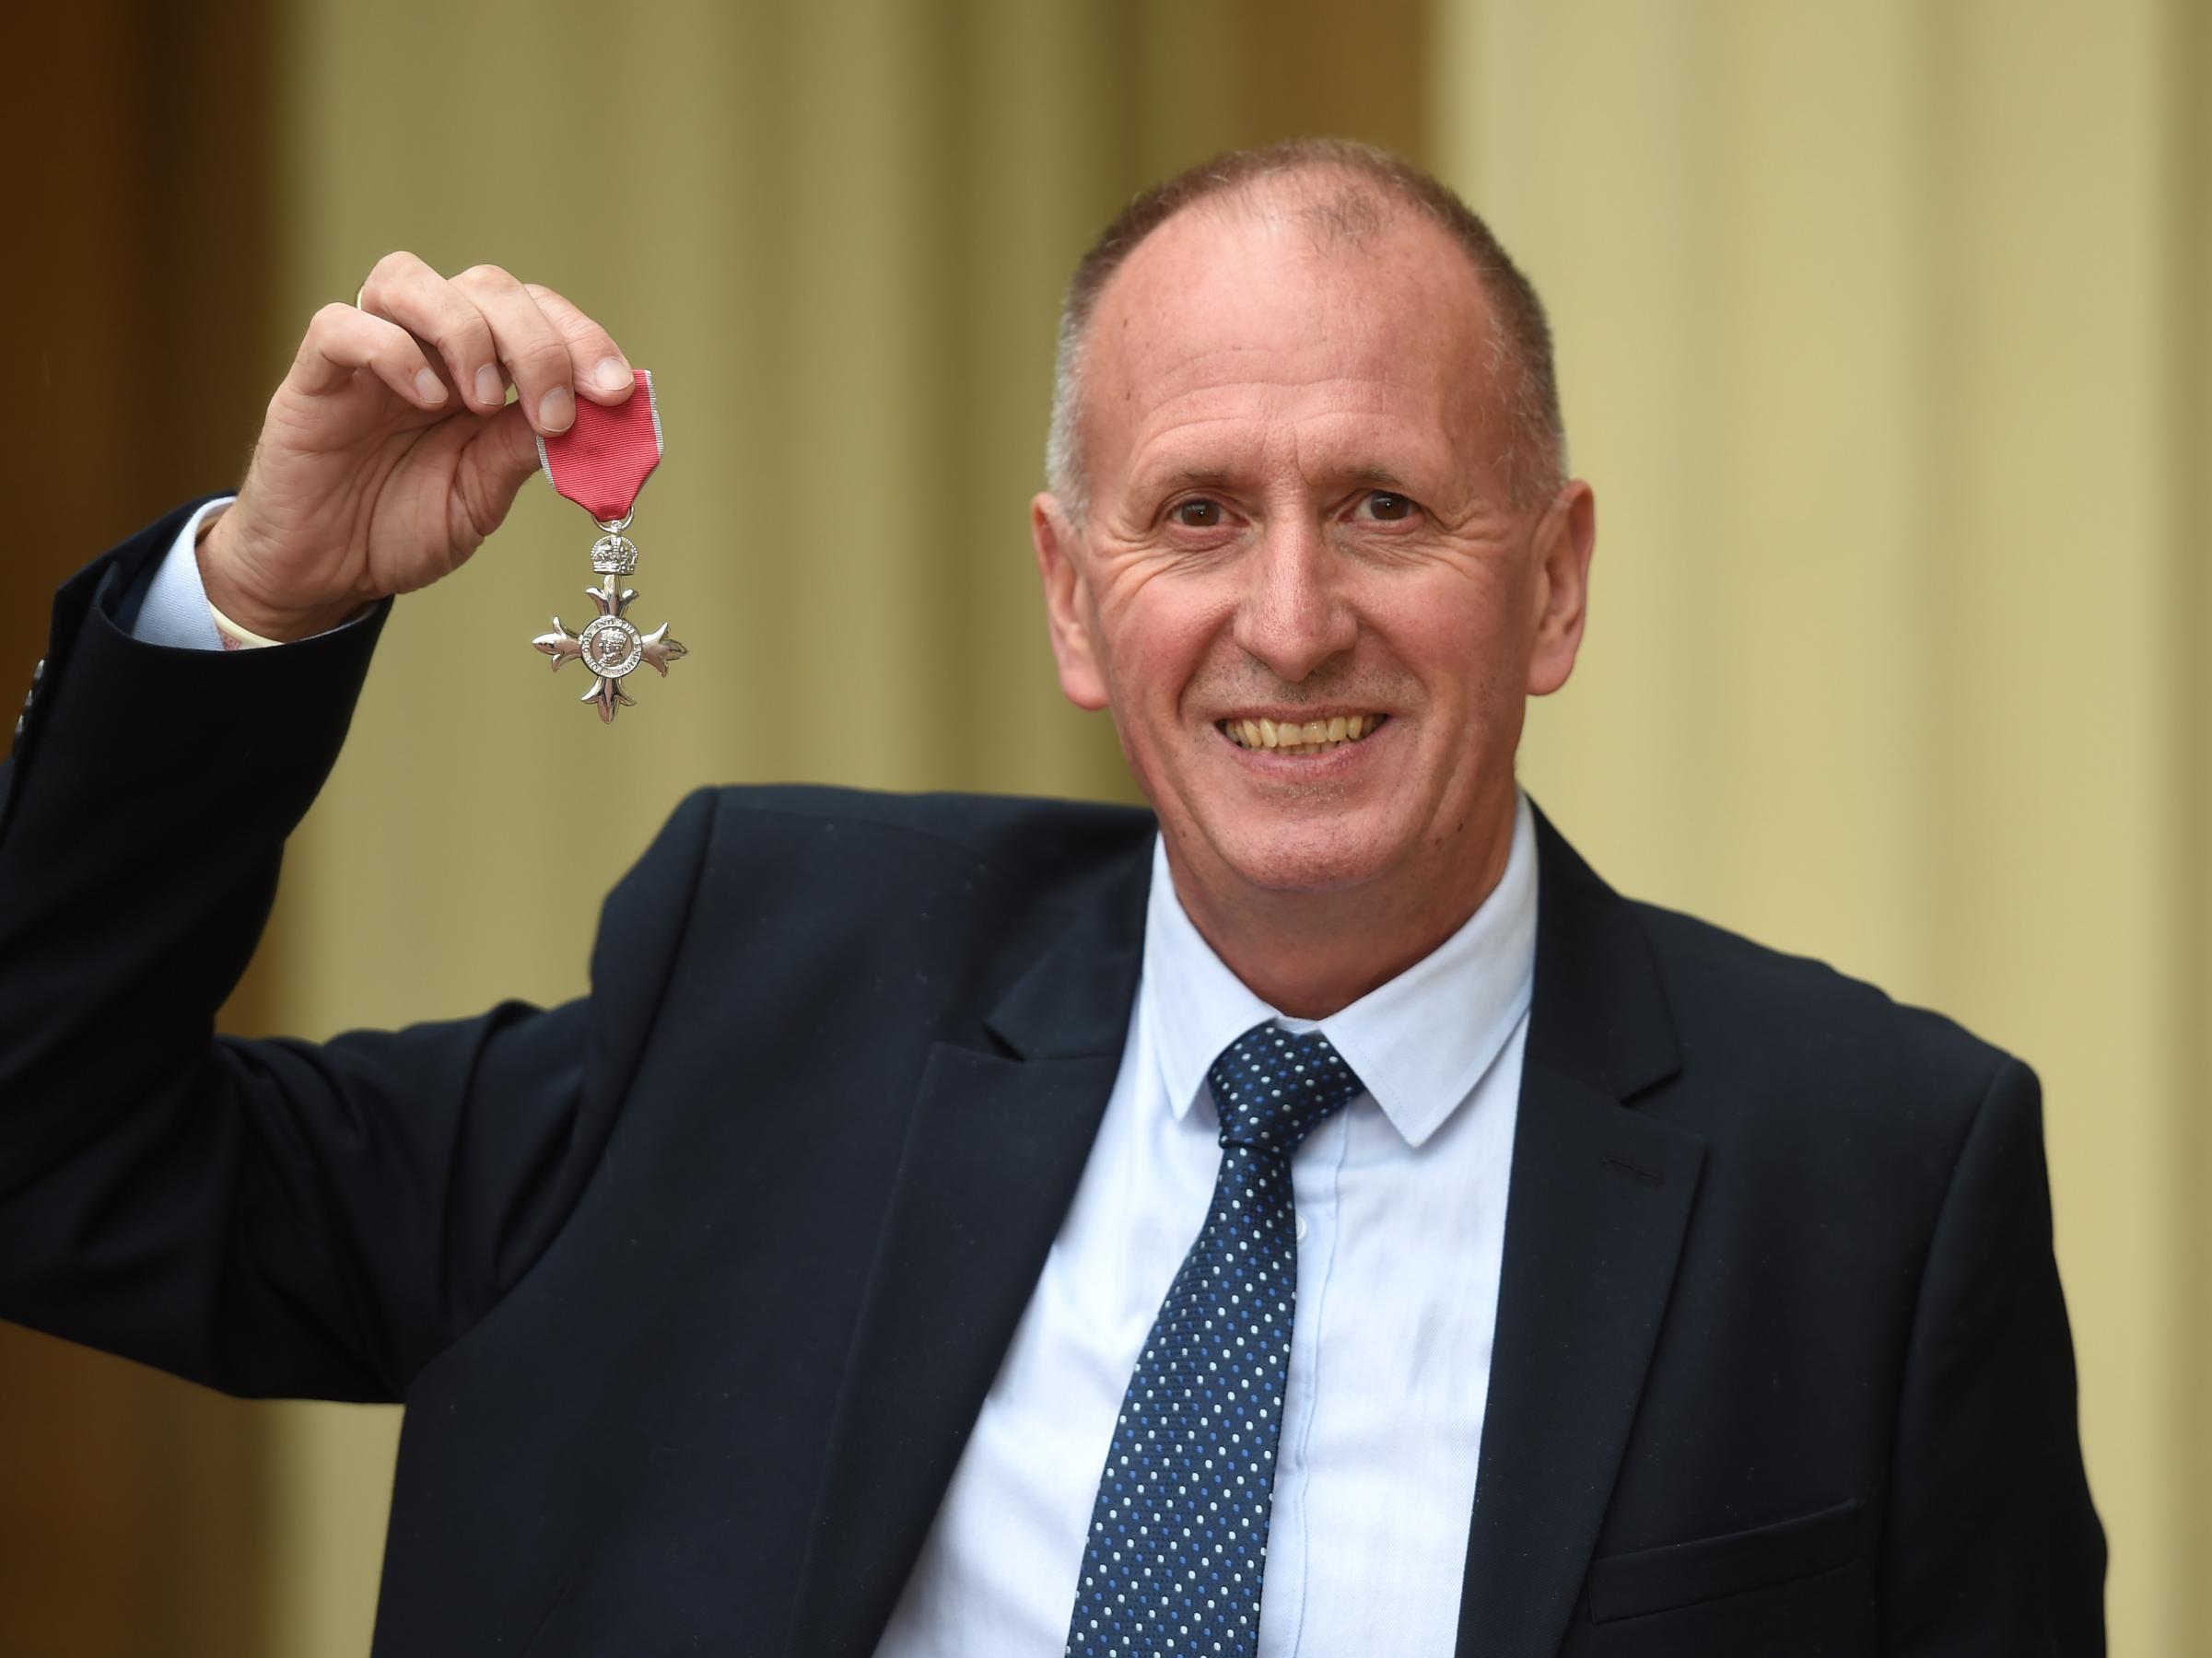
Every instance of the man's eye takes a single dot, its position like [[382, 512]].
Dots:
[[1199, 515], [1381, 504]]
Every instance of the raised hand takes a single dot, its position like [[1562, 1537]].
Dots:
[[389, 451]]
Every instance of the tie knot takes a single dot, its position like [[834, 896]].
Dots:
[[1272, 1087]]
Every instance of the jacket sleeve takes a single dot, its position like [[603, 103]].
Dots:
[[263, 1216], [1991, 1545]]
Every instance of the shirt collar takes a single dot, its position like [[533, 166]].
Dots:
[[1420, 1042]]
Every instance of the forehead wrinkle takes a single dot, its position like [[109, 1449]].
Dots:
[[1182, 458], [1272, 405], [1333, 449], [1356, 366]]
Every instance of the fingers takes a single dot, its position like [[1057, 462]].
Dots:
[[404, 290], [601, 372], [536, 355], [341, 340], [486, 328]]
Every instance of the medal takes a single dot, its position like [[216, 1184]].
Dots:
[[600, 464]]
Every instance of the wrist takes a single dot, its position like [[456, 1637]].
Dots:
[[235, 602]]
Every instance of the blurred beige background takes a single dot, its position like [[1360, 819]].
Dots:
[[1886, 338]]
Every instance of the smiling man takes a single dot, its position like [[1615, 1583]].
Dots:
[[1308, 539], [1314, 1216]]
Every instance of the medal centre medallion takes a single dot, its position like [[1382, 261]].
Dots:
[[612, 647]]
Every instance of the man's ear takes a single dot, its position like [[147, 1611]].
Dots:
[[1068, 609], [1566, 538]]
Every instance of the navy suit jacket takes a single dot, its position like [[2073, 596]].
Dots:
[[694, 1287]]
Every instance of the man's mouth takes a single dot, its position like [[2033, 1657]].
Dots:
[[1306, 737]]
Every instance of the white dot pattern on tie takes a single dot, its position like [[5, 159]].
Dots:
[[1177, 1544]]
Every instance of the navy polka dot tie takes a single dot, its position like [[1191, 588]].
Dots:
[[1178, 1536]]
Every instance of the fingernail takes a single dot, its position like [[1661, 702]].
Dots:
[[612, 374], [490, 388], [428, 387], [557, 413]]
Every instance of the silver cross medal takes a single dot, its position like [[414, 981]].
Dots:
[[610, 644], [601, 462]]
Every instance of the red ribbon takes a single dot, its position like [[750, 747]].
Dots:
[[603, 459]]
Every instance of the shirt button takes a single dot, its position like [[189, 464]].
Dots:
[[1301, 1229]]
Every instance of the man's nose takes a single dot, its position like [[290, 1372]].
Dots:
[[1292, 616]]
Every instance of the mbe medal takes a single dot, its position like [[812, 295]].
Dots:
[[600, 464]]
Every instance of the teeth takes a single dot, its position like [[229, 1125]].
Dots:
[[1314, 737]]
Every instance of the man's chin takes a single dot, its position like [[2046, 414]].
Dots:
[[1315, 860]]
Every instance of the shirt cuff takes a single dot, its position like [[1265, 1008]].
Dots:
[[175, 610]]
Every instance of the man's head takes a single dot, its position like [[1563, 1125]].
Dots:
[[1307, 465], [1348, 191]]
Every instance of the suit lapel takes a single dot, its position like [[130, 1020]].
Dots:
[[994, 1150], [1600, 1201]]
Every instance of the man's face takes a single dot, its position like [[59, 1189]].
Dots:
[[1299, 513]]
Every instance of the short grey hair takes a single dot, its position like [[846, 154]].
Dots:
[[1377, 184]]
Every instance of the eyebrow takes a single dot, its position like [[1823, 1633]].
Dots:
[[1193, 478], [1378, 477]]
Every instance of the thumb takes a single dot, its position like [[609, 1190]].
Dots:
[[493, 467]]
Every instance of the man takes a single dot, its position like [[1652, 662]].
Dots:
[[1330, 1220]]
